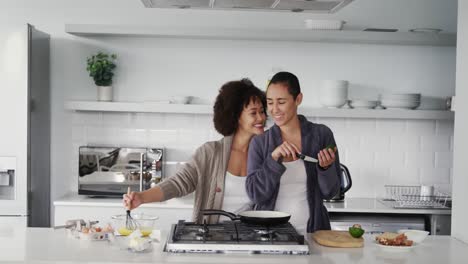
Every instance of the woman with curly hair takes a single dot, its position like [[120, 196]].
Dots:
[[218, 169]]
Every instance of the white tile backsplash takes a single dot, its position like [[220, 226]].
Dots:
[[419, 159], [376, 142], [444, 159], [360, 125], [162, 137], [405, 142], [444, 127], [389, 159], [360, 159], [377, 152], [390, 127], [421, 127], [400, 175], [435, 143], [430, 176]]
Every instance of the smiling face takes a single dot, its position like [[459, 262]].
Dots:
[[281, 104], [252, 119]]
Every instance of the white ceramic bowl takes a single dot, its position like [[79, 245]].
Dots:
[[400, 104], [333, 93], [417, 236]]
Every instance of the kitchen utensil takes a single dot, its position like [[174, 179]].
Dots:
[[340, 239], [144, 222], [346, 184], [254, 217], [130, 223], [306, 158], [408, 196]]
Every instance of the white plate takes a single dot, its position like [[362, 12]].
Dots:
[[396, 248]]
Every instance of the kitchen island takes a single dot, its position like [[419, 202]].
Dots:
[[45, 245]]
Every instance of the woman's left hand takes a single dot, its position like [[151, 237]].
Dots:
[[326, 157]]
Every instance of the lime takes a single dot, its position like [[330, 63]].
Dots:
[[330, 146], [356, 232]]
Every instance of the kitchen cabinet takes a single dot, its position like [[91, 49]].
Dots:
[[266, 34], [142, 107]]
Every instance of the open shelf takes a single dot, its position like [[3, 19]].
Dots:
[[148, 107], [266, 34]]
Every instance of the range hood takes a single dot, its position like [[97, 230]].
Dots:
[[313, 6]]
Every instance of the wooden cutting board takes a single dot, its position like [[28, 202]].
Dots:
[[340, 239]]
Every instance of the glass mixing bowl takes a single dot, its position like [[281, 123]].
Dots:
[[144, 222]]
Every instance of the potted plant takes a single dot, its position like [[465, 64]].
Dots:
[[101, 67]]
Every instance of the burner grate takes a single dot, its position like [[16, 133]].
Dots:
[[236, 232]]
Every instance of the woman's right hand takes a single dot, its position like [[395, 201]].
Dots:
[[132, 200], [286, 150]]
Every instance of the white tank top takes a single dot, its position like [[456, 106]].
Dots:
[[292, 196], [235, 195]]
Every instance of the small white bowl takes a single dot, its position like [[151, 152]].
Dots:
[[417, 236]]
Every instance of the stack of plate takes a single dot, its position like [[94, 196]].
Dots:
[[362, 103], [400, 101]]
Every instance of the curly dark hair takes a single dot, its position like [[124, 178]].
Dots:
[[233, 97]]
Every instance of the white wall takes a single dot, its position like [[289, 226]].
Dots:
[[460, 166], [377, 151]]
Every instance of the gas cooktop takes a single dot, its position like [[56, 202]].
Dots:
[[235, 236]]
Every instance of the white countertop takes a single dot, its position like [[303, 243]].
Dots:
[[350, 205], [83, 200], [45, 245], [373, 205]]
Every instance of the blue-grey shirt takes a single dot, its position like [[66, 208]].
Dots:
[[264, 173]]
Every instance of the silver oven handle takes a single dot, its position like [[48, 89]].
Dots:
[[141, 171]]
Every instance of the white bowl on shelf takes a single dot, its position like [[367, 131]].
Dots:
[[333, 93], [403, 97], [400, 104]]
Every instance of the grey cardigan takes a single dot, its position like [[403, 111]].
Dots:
[[202, 174], [264, 173]]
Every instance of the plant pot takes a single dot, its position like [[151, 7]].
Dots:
[[104, 93]]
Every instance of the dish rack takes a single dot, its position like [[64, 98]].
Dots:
[[405, 196]]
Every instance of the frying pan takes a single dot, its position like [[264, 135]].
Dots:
[[254, 217]]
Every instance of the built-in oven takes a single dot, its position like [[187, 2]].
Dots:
[[109, 171]]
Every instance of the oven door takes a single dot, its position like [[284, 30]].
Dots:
[[109, 171]]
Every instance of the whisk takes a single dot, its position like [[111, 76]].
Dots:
[[130, 223]]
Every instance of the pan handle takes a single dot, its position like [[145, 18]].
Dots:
[[219, 212]]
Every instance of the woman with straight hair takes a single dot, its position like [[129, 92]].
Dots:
[[277, 179]]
